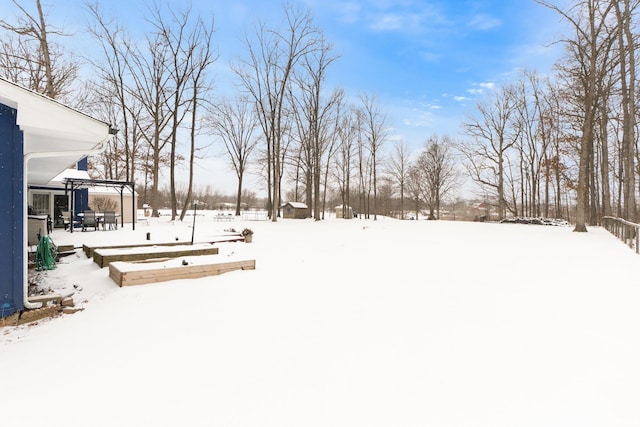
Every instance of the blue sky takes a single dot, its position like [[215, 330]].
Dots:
[[428, 62]]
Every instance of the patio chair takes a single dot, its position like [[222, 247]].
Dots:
[[109, 219], [66, 219], [89, 220]]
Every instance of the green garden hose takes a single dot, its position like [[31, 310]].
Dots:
[[46, 254]]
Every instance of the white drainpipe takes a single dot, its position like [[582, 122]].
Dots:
[[25, 211]]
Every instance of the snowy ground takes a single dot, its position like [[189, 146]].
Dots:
[[343, 323]]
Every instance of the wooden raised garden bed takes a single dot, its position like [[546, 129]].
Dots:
[[235, 237], [138, 273], [103, 257], [88, 249]]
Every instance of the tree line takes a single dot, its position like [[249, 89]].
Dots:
[[565, 145], [562, 145]]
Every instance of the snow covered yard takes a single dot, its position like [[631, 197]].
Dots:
[[343, 323]]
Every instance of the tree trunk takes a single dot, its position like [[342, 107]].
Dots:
[[604, 162], [628, 104], [583, 171]]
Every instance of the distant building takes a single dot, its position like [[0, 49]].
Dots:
[[294, 210], [343, 211]]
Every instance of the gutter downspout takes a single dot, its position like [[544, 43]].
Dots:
[[25, 206]]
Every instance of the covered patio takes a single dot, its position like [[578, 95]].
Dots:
[[39, 138], [72, 184]]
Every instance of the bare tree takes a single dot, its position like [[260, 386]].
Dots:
[[589, 50], [534, 139], [302, 156], [398, 168], [151, 86], [317, 112], [266, 75], [363, 165], [415, 187], [112, 86], [374, 128], [436, 168], [337, 105], [33, 59], [188, 42], [626, 47], [493, 135], [173, 33], [235, 123], [202, 57], [112, 163], [345, 133]]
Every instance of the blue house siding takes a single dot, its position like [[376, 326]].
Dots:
[[81, 201], [11, 209], [81, 196]]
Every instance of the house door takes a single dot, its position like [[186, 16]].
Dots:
[[60, 203]]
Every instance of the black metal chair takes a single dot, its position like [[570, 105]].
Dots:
[[109, 219], [89, 220]]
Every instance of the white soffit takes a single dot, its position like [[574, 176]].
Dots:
[[51, 128]]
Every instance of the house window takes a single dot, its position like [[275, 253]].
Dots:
[[40, 204]]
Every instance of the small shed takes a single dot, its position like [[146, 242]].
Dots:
[[294, 210], [344, 211]]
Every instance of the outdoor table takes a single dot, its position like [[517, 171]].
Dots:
[[99, 217]]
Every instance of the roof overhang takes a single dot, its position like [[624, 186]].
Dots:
[[55, 136]]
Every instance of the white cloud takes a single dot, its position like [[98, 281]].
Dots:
[[418, 119], [460, 98], [484, 22], [481, 88], [388, 22], [430, 56], [349, 12], [408, 16]]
